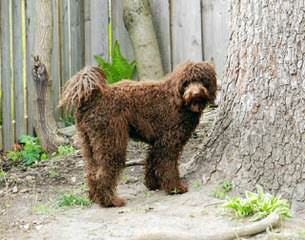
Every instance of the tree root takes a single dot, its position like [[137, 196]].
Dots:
[[273, 220]]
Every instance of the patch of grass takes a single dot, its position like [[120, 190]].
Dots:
[[43, 209], [31, 151], [197, 184], [219, 193], [227, 185], [223, 189], [83, 187], [68, 120], [125, 178], [71, 199], [54, 173], [2, 175], [65, 149], [147, 193], [258, 205]]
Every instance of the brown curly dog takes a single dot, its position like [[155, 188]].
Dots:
[[161, 113]]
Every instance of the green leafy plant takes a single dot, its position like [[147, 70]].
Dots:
[[68, 120], [227, 185], [65, 149], [71, 199], [31, 152], [119, 69], [222, 190], [258, 205]]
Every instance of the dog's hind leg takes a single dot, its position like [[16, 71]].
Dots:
[[162, 170], [108, 151]]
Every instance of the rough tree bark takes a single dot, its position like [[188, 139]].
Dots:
[[258, 137], [45, 124], [138, 22]]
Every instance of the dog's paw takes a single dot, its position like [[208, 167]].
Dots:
[[118, 201], [181, 188]]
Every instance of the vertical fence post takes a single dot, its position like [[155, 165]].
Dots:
[[30, 36], [161, 19], [6, 75], [119, 31], [65, 41], [77, 32], [99, 28], [186, 30], [215, 33], [18, 69], [56, 59]]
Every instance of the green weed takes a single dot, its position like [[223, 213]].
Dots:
[[227, 185], [119, 69], [258, 205], [71, 199], [31, 152], [147, 194], [54, 173], [65, 149], [2, 175], [43, 209], [125, 178], [68, 120], [222, 190], [197, 184]]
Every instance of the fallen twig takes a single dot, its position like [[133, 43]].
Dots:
[[273, 220]]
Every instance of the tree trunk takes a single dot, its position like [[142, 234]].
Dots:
[[138, 22], [258, 137], [45, 124]]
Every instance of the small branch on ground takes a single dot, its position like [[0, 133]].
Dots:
[[272, 221]]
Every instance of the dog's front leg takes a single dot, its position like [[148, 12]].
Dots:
[[162, 170]]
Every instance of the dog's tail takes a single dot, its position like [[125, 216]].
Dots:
[[80, 87]]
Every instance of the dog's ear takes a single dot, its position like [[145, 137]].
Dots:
[[178, 80]]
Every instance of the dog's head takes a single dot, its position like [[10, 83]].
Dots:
[[196, 85]]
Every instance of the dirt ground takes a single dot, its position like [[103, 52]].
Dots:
[[29, 205]]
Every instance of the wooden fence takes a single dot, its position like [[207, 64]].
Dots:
[[192, 29]]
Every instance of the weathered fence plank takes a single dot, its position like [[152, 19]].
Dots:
[[161, 20], [87, 31], [18, 69], [119, 31], [56, 59], [30, 34], [65, 41], [77, 35], [215, 33], [6, 75], [186, 31], [99, 11]]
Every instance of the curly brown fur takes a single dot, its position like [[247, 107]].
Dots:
[[161, 113]]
